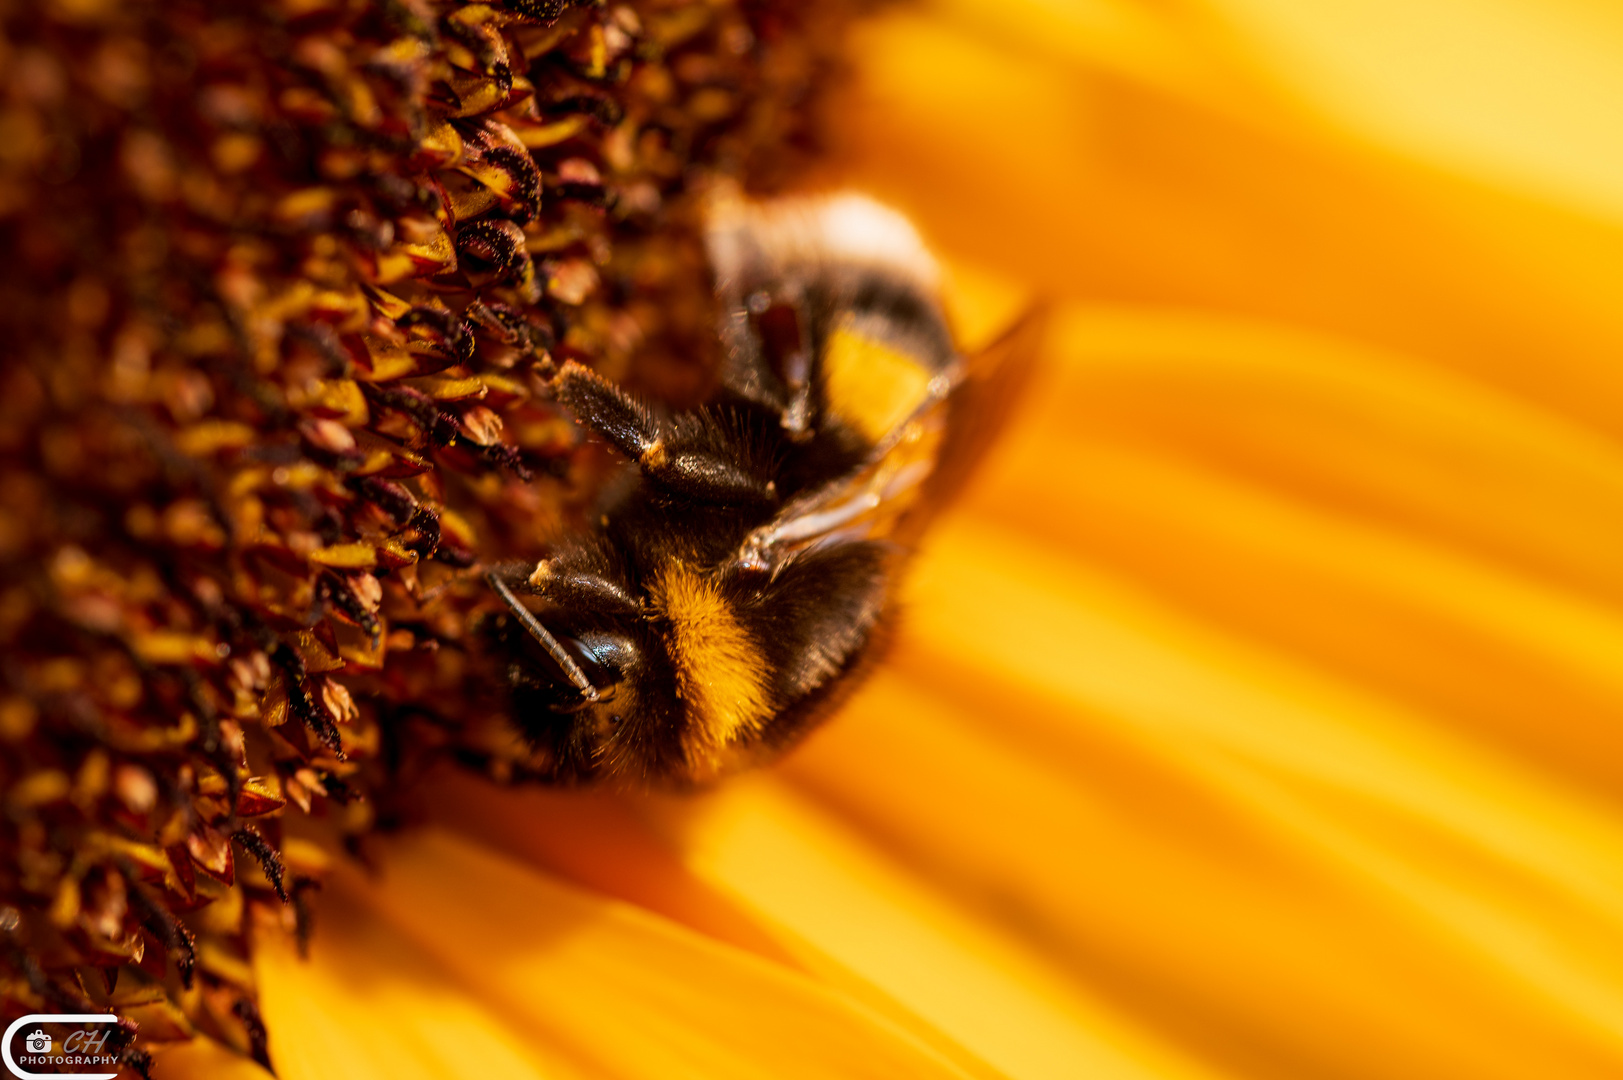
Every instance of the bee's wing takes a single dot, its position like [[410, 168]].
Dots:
[[995, 379], [920, 465]]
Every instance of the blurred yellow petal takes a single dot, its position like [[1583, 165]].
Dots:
[[472, 949], [1416, 620], [1522, 92], [371, 1002], [618, 846], [1375, 433], [1336, 781], [1096, 184], [862, 916], [1400, 525], [204, 1059]]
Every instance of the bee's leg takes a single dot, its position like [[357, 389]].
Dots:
[[694, 456]]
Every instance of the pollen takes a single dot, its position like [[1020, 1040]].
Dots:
[[654, 455], [869, 385], [720, 671]]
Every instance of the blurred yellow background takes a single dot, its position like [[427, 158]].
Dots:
[[1256, 715], [1277, 659]]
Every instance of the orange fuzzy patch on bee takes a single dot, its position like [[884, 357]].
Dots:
[[868, 385], [720, 671]]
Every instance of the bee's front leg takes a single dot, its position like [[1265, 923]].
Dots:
[[694, 455]]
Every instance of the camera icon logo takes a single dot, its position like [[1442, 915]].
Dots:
[[38, 1042]]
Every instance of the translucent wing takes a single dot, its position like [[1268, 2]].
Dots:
[[918, 465], [996, 378]]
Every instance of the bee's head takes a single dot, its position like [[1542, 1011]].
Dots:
[[687, 674], [593, 689]]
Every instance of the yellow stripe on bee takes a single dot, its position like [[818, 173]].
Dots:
[[868, 385], [720, 670]]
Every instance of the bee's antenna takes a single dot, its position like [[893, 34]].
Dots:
[[539, 632]]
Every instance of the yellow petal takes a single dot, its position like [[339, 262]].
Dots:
[[1399, 525], [1093, 183], [1431, 80], [862, 921], [204, 1059], [1445, 860], [370, 1002], [604, 986], [1372, 432]]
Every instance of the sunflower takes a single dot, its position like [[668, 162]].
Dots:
[[1253, 712]]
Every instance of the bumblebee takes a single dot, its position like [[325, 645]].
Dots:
[[741, 572]]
